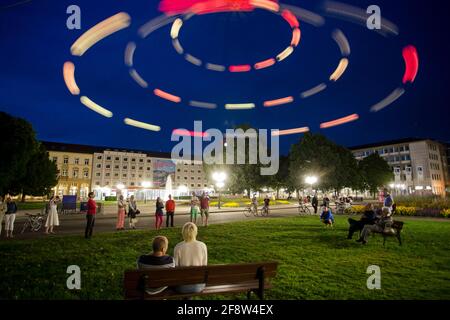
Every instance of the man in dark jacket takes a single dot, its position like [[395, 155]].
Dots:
[[315, 203], [369, 217]]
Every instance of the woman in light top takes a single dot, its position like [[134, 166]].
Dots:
[[190, 252], [52, 217], [120, 213]]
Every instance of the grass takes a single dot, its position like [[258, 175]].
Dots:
[[315, 262]]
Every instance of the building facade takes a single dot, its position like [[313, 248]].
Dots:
[[420, 165], [74, 163]]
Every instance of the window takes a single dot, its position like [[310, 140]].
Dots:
[[107, 174], [97, 174], [199, 171], [141, 160], [125, 167], [125, 159], [116, 174], [117, 159], [148, 169], [178, 178], [178, 170], [66, 160], [108, 166], [205, 185], [192, 178], [133, 160], [116, 167], [199, 185], [107, 183], [396, 149], [140, 176], [199, 178], [99, 157], [55, 159], [124, 175], [192, 185], [64, 173], [75, 173], [133, 168], [108, 158], [97, 183], [402, 148], [141, 168], [86, 173], [149, 161], [132, 183], [185, 178], [99, 165], [86, 162]]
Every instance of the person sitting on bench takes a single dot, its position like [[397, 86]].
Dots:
[[327, 217], [190, 252], [157, 259], [382, 225], [369, 217]]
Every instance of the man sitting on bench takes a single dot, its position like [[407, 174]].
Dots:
[[384, 224], [157, 259], [369, 217]]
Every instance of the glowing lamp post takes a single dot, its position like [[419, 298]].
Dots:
[[311, 180], [146, 185], [219, 178]]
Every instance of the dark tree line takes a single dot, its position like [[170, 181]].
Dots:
[[25, 167]]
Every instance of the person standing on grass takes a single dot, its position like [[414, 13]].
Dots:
[[120, 213], [10, 217], [90, 215], [194, 208], [204, 208], [132, 212], [159, 214], [170, 211], [315, 203], [52, 216], [2, 213]]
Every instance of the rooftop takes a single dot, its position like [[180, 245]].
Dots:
[[387, 143]]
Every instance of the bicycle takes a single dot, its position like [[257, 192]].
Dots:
[[250, 210], [302, 208], [34, 222], [264, 211], [343, 208]]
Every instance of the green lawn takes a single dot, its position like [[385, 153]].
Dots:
[[315, 263]]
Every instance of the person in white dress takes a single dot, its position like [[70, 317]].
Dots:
[[52, 216]]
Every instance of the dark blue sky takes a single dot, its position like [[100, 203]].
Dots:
[[35, 43]]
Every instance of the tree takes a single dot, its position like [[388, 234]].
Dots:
[[17, 145], [40, 176], [334, 165], [376, 172]]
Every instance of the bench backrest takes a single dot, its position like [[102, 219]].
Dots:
[[212, 275]]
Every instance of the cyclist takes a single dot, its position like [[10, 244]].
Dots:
[[254, 203], [266, 202]]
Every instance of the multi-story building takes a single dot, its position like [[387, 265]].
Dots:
[[419, 165], [191, 175], [74, 163]]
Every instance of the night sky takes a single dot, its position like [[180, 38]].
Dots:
[[35, 43]]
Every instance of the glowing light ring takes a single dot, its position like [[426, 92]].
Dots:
[[273, 7]]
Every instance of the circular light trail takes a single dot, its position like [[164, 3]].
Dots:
[[291, 14]]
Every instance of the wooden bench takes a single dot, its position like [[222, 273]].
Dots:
[[219, 279], [398, 227]]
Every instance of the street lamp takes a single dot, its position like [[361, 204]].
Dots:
[[146, 185], [219, 178]]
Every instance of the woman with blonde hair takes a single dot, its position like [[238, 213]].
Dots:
[[190, 252]]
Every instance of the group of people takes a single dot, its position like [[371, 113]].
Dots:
[[255, 203], [189, 252], [200, 206]]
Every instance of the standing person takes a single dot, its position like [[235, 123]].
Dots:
[[52, 216], [159, 213], [190, 252], [388, 202], [315, 203], [267, 201], [10, 217], [132, 212], [120, 213], [170, 211], [2, 213], [194, 208], [255, 204], [204, 208], [90, 215]]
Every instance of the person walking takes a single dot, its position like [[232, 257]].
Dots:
[[2, 213], [159, 213], [133, 212], [194, 208], [120, 213], [52, 215], [90, 215], [204, 209], [10, 217], [170, 211], [315, 203]]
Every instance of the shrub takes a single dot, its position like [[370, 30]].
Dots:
[[283, 202], [445, 213], [406, 211], [358, 209], [423, 202], [110, 198], [231, 205]]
